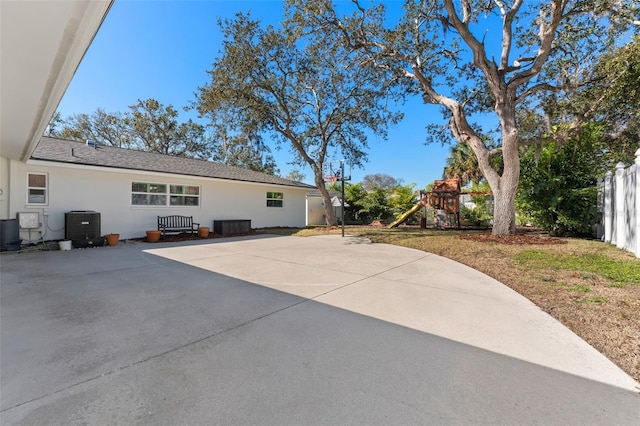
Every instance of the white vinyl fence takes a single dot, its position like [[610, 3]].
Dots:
[[621, 207]]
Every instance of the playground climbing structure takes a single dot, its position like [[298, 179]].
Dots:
[[444, 199]]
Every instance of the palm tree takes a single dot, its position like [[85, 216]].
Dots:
[[462, 164]]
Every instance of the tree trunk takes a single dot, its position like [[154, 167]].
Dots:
[[329, 214], [505, 187], [504, 210]]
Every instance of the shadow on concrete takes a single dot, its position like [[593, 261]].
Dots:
[[122, 336]]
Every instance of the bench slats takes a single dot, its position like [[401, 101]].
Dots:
[[176, 223]]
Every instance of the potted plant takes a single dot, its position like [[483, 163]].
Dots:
[[203, 232], [153, 236], [112, 239]]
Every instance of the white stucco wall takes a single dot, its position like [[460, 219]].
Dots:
[[108, 191], [315, 211], [4, 188]]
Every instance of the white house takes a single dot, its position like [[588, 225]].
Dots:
[[130, 189], [42, 45]]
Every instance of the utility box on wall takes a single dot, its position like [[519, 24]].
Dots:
[[82, 227], [29, 220]]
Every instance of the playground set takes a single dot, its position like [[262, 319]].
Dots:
[[444, 199]]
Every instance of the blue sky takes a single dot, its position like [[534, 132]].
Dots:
[[162, 50]]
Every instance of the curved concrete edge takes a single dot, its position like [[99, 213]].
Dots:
[[408, 287]]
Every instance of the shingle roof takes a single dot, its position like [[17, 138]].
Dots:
[[73, 152], [317, 193]]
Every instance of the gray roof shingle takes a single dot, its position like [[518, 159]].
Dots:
[[73, 152]]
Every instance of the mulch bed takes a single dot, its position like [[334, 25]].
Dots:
[[186, 236]]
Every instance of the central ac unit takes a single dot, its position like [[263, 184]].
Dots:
[[83, 228]]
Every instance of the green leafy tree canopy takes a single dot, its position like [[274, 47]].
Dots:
[[306, 93], [485, 59], [148, 126]]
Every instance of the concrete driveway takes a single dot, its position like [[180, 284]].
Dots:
[[287, 330]]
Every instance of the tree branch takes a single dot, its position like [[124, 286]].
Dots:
[[538, 88], [507, 30], [547, 35], [479, 54]]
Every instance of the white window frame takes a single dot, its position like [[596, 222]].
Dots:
[[274, 199], [168, 194], [38, 188]]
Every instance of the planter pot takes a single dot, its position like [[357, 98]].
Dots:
[[153, 236], [203, 232], [112, 239], [65, 245]]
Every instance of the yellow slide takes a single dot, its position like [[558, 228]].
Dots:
[[405, 216]]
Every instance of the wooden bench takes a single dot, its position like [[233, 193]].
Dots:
[[176, 223]]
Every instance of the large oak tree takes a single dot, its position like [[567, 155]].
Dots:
[[158, 129], [107, 128], [480, 59], [148, 126], [307, 93]]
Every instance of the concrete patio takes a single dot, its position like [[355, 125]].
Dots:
[[287, 330]]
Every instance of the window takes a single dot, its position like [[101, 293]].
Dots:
[[148, 194], [37, 188], [182, 195], [275, 199], [161, 194]]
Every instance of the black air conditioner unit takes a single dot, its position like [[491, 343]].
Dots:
[[82, 227]]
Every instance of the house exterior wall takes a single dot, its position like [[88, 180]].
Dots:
[[4, 188], [315, 211], [108, 191]]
